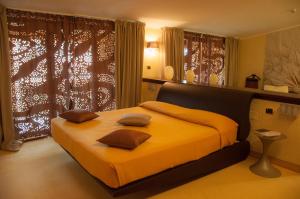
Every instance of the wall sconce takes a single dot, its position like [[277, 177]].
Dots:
[[152, 44], [151, 48]]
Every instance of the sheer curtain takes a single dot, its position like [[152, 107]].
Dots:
[[58, 63], [204, 54]]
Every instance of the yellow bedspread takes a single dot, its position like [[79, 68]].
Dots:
[[174, 141], [224, 125]]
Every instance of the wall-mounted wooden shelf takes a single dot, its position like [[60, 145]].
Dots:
[[154, 81], [290, 98]]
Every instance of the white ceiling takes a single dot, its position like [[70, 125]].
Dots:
[[241, 18]]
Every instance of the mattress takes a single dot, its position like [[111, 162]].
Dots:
[[173, 141]]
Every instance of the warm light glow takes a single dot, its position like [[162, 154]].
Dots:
[[159, 23], [152, 44], [168, 72], [190, 76], [151, 38], [151, 52], [213, 79]]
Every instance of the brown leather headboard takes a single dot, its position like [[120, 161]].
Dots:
[[234, 104]]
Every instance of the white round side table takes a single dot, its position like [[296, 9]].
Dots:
[[263, 167]]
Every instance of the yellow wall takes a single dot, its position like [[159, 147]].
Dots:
[[286, 149], [251, 58], [152, 56]]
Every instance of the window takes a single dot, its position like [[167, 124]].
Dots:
[[204, 54], [58, 63]]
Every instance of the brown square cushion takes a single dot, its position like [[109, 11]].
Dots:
[[125, 138], [78, 116]]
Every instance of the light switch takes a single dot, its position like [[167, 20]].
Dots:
[[269, 111]]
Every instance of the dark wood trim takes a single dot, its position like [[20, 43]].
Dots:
[[186, 172], [154, 81], [290, 98]]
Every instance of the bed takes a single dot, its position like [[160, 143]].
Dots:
[[154, 163]]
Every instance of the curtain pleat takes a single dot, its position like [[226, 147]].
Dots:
[[172, 44], [231, 61], [130, 38], [7, 131]]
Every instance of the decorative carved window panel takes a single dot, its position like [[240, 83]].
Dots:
[[58, 63], [204, 54]]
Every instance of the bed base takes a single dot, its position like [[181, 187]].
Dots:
[[186, 172], [232, 103]]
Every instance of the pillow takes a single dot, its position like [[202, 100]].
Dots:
[[134, 119], [78, 116], [125, 138]]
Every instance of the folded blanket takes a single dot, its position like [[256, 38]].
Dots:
[[226, 127]]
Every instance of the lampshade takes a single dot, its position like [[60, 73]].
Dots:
[[152, 44], [190, 76], [213, 79], [168, 72]]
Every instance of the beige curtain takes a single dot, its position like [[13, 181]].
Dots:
[[172, 44], [129, 57], [231, 61], [7, 131]]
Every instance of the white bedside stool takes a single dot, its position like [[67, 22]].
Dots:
[[263, 167]]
